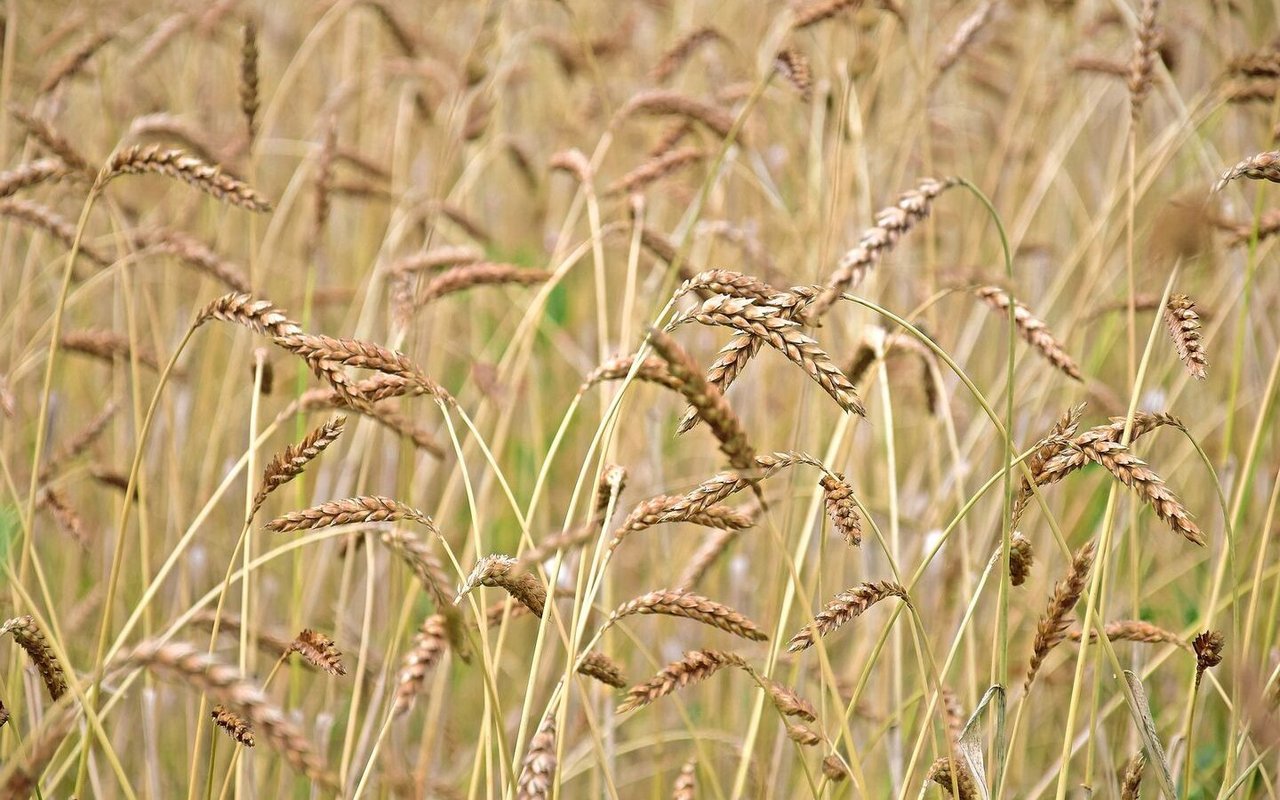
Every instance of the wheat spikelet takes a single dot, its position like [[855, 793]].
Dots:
[[318, 650], [672, 136], [679, 53], [1134, 630], [1065, 454], [107, 345], [803, 735], [834, 770], [664, 102], [1208, 648], [225, 685], [599, 666], [794, 67], [816, 11], [1131, 784], [845, 606], [786, 700], [733, 357], [656, 168], [953, 777], [137, 160], [53, 223], [43, 132], [261, 316], [249, 79], [538, 770], [1134, 473], [782, 333], [32, 173], [390, 419], [681, 603], [722, 281], [368, 508], [723, 485], [1184, 326], [1031, 328], [837, 496], [686, 785], [1143, 61], [194, 253], [73, 62], [1054, 444], [68, 520], [496, 571], [694, 667], [963, 38], [891, 224], [233, 724], [483, 273], [287, 465], [662, 509], [651, 370], [326, 354], [428, 648], [1260, 167], [31, 639], [1021, 557], [1052, 626], [706, 399]]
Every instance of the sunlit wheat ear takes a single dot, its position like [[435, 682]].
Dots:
[[706, 399], [1052, 627], [497, 571], [692, 606], [600, 667], [1031, 328], [963, 38], [724, 281], [679, 53], [837, 495], [1131, 783], [73, 62], [844, 607], [290, 463], [834, 770], [785, 699], [1260, 167], [260, 316], [664, 509], [734, 356], [694, 667], [1133, 630], [224, 684], [233, 724], [1142, 64], [686, 785], [208, 178], [319, 651], [43, 132], [193, 252], [1208, 648], [783, 334], [429, 644], [651, 370], [954, 778], [664, 102], [32, 173], [890, 225], [369, 508], [1184, 326], [538, 770], [31, 639], [1021, 558], [656, 168], [176, 131], [1064, 453]]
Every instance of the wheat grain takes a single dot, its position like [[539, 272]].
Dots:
[[599, 666], [664, 102], [834, 770], [1133, 630], [233, 724], [1143, 61], [837, 496], [43, 132], [954, 778], [32, 640], [680, 52], [1208, 648], [249, 79], [32, 173], [655, 169], [1260, 167], [1131, 784], [1184, 327], [428, 648], [319, 651], [538, 770], [963, 38], [290, 463], [107, 345]]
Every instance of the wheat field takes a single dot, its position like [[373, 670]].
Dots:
[[668, 399]]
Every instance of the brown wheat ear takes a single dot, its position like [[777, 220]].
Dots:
[[1133, 630], [844, 607], [428, 648], [233, 724], [834, 769], [1032, 329], [954, 778], [680, 603], [680, 52], [1145, 53], [319, 651], [1260, 167], [793, 65], [249, 79], [694, 667], [32, 173], [1184, 326], [1021, 558], [31, 639], [208, 178], [1131, 784], [1208, 647], [599, 666], [289, 464], [538, 771], [841, 510], [496, 571], [371, 508], [1053, 624]]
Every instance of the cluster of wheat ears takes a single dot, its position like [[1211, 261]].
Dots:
[[465, 506]]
